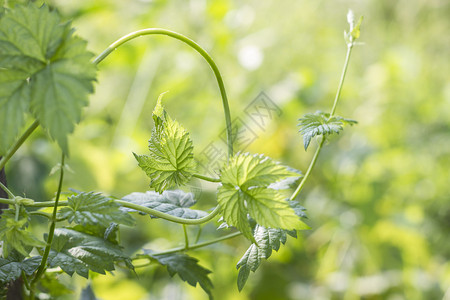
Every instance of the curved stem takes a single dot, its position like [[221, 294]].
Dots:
[[196, 47], [206, 178], [51, 232], [311, 166], [18, 143], [168, 217]]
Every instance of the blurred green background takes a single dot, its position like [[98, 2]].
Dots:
[[378, 200]]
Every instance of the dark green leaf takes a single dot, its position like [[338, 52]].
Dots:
[[78, 252], [171, 160], [267, 239], [93, 208], [245, 189], [320, 123], [12, 266], [175, 203], [45, 69], [187, 268]]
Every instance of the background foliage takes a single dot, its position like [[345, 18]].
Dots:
[[377, 201]]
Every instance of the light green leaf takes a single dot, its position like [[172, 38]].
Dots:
[[78, 252], [12, 266], [175, 203], [14, 235], [93, 208], [320, 123], [187, 268], [171, 160], [45, 69], [245, 190]]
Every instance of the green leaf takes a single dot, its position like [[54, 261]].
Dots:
[[175, 203], [78, 252], [171, 160], [245, 189], [187, 268], [45, 70], [94, 208], [320, 123], [14, 235], [267, 239], [52, 284], [12, 266]]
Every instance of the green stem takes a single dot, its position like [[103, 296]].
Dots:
[[25, 280], [17, 144], [168, 217], [311, 166], [333, 110], [200, 245], [186, 237], [123, 203], [10, 194], [51, 232], [196, 47], [41, 213], [206, 178], [341, 82]]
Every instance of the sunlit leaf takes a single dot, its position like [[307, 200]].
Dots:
[[37, 50], [245, 190], [171, 159]]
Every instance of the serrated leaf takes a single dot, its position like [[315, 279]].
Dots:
[[187, 268], [79, 252], [14, 235], [45, 69], [266, 240], [320, 123], [94, 208], [171, 160], [175, 203], [12, 266], [245, 190]]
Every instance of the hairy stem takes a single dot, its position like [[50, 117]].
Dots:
[[51, 232], [195, 46], [206, 178], [333, 110], [18, 143]]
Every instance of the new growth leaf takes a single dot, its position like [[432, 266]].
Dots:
[[321, 123], [171, 159]]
